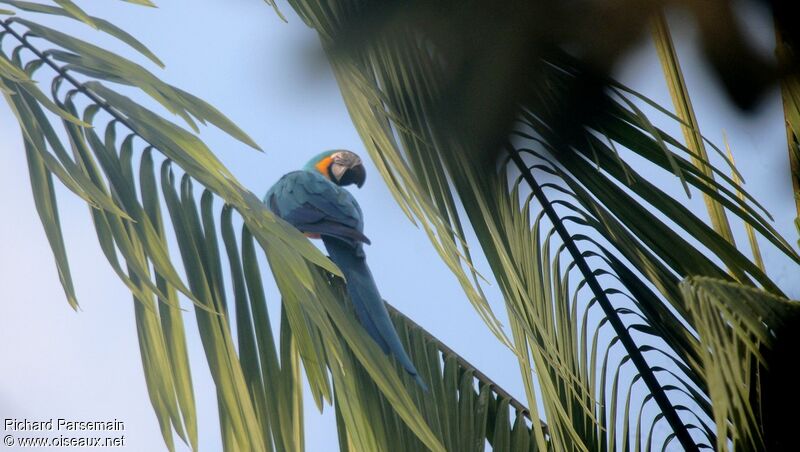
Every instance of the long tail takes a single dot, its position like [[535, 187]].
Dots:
[[369, 305]]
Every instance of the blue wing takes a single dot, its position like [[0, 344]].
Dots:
[[315, 205]]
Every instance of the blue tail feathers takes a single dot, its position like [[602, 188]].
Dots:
[[367, 301]]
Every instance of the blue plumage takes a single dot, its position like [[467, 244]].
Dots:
[[312, 203]]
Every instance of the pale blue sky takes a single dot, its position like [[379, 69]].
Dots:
[[261, 72]]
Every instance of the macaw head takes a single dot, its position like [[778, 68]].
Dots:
[[339, 166]]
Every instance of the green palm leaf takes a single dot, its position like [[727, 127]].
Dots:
[[740, 327]]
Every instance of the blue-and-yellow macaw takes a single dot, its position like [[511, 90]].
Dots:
[[313, 201]]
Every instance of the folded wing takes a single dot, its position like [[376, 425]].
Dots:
[[312, 204]]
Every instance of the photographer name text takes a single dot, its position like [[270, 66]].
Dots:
[[62, 425]]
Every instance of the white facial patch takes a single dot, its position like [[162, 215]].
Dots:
[[342, 161], [337, 170]]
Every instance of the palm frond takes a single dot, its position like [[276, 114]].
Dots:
[[691, 130], [627, 240], [751, 235], [739, 327]]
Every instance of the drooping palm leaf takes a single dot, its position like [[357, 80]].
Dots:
[[740, 328]]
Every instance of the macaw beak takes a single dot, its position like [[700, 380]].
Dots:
[[354, 175]]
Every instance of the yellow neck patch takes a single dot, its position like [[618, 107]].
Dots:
[[323, 166]]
